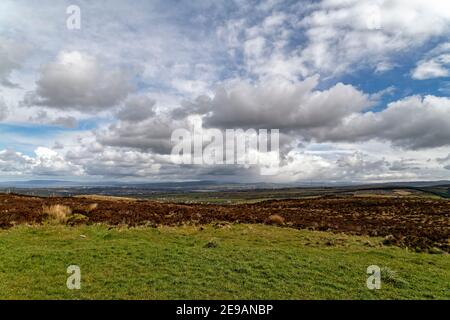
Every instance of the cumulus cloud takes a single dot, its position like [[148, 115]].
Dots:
[[137, 109], [404, 164], [3, 109], [200, 106], [282, 104], [274, 104], [413, 122], [437, 65], [14, 163], [443, 160], [343, 35], [435, 68], [42, 117], [78, 81], [100, 160], [340, 36], [264, 64], [348, 167], [151, 135], [45, 162], [12, 55], [48, 162]]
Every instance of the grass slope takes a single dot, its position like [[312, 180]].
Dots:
[[240, 262]]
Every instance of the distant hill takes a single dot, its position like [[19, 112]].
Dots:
[[190, 185]]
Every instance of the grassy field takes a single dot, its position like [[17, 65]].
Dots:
[[231, 262]]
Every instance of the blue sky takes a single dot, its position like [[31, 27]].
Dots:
[[358, 89]]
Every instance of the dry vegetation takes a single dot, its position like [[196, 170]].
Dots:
[[275, 219], [419, 223], [62, 214], [57, 213]]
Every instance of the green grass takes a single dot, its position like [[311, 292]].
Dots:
[[241, 262]]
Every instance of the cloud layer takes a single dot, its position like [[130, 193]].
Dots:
[[358, 89]]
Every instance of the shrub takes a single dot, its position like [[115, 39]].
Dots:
[[76, 219], [276, 219], [57, 213], [211, 244], [391, 276], [91, 207]]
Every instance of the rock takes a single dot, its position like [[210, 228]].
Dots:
[[388, 240]]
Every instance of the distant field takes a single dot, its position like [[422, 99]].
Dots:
[[253, 196], [230, 262], [237, 194]]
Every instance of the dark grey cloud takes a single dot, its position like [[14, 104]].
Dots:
[[12, 55], [3, 109], [444, 159], [152, 135], [66, 122], [201, 106], [12, 161], [403, 165], [137, 109], [414, 123], [42, 117], [99, 160]]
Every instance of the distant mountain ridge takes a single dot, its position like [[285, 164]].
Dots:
[[208, 183]]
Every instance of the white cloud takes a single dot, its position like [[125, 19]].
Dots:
[[339, 39], [282, 104], [79, 81], [46, 162], [264, 64], [98, 160], [437, 65], [430, 69]]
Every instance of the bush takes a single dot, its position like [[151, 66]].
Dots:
[[57, 213], [276, 219], [391, 276], [211, 244], [91, 207], [76, 219]]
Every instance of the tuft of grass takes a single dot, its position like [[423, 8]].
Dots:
[[276, 220], [91, 207], [211, 244], [57, 213], [392, 277]]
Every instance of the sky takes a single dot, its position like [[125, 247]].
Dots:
[[359, 90]]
